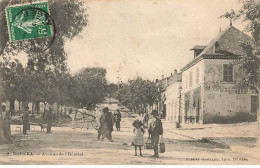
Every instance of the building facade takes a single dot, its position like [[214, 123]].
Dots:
[[168, 105], [210, 93]]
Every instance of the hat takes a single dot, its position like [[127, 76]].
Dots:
[[137, 121], [105, 109], [154, 112]]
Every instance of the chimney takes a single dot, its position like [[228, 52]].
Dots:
[[162, 76], [171, 74], [175, 71]]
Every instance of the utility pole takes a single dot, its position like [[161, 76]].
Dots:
[[179, 121]]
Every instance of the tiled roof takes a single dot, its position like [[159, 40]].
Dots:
[[229, 40]]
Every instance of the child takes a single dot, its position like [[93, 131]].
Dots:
[[138, 136]]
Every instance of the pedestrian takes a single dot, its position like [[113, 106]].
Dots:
[[49, 117], [138, 140], [118, 117], [146, 120], [155, 130], [26, 125], [6, 122], [107, 120]]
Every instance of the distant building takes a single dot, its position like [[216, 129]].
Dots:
[[168, 105], [209, 81]]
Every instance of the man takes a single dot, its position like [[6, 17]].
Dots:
[[118, 117], [155, 130], [49, 117], [106, 124], [26, 125], [6, 122]]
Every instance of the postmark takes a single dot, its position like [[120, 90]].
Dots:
[[29, 21]]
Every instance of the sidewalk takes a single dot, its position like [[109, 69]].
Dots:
[[240, 138], [240, 130]]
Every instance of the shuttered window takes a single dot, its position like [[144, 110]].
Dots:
[[228, 73]]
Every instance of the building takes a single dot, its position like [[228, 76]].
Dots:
[[210, 93], [168, 105]]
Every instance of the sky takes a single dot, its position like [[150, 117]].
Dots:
[[147, 38]]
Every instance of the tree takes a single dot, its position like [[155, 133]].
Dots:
[[69, 18], [90, 86], [249, 62], [138, 94]]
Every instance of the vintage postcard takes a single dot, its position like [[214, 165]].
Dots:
[[129, 82]]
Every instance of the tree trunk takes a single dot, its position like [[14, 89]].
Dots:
[[258, 119], [3, 138], [33, 108], [37, 107], [19, 108], [44, 110], [12, 107]]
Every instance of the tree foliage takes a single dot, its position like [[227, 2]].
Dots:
[[138, 94], [248, 62], [46, 77], [90, 86]]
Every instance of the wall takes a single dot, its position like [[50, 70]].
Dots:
[[187, 91], [172, 102], [223, 98]]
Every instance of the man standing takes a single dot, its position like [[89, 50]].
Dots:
[[6, 122], [49, 116], [118, 119], [107, 121], [26, 125], [155, 130]]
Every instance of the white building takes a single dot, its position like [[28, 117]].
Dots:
[[209, 81]]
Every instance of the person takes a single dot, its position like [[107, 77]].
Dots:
[[146, 120], [155, 130], [26, 125], [106, 124], [118, 117], [49, 117], [6, 122], [138, 140]]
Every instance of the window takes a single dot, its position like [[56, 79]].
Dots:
[[190, 79], [197, 75], [228, 73]]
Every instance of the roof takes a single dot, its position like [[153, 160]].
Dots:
[[198, 47], [229, 41], [167, 81]]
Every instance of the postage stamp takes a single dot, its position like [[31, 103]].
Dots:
[[28, 21]]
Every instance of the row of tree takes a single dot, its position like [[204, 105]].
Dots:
[[46, 77], [28, 84]]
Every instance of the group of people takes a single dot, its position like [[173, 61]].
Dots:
[[155, 129], [107, 121]]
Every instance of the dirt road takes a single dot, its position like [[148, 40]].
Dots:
[[80, 146]]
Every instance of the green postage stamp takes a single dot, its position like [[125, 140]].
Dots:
[[28, 21]]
